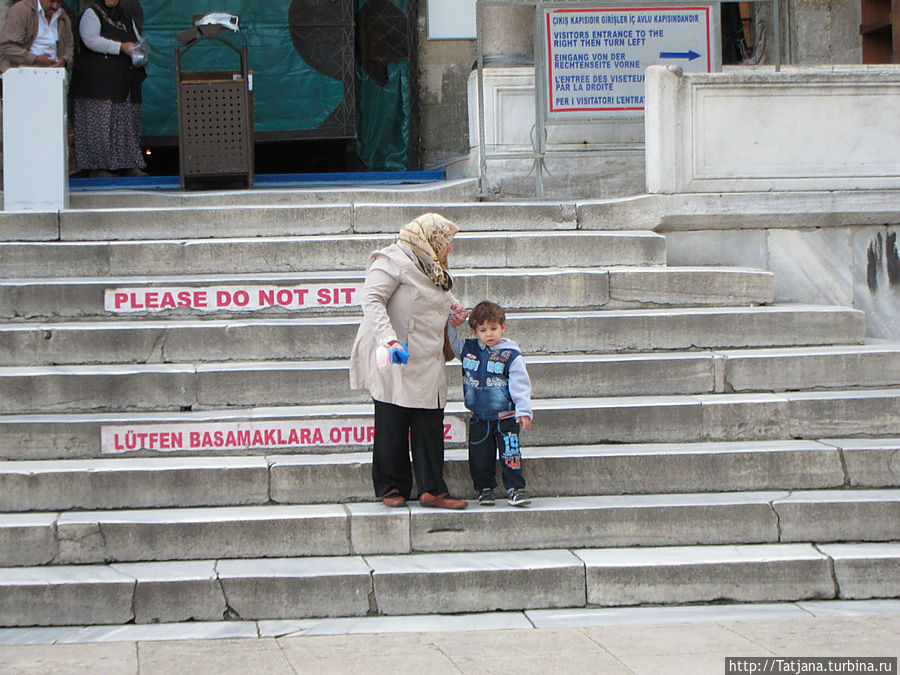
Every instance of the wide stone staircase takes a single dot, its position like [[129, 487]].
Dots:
[[178, 440]]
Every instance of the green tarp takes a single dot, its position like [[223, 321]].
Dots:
[[288, 93]]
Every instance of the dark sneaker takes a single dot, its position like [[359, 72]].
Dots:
[[518, 497], [486, 497]]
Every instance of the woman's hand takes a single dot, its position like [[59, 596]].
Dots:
[[459, 316], [127, 47], [524, 422]]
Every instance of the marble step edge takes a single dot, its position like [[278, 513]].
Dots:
[[341, 427], [235, 384], [340, 410], [243, 480], [608, 287], [473, 236], [752, 353], [277, 588], [339, 293], [89, 537], [778, 309], [198, 339], [359, 275], [211, 221], [451, 190]]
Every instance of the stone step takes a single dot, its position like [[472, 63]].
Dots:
[[281, 588], [203, 222], [439, 192], [590, 470], [183, 255], [276, 531], [345, 427], [875, 364], [197, 340], [336, 292], [182, 386]]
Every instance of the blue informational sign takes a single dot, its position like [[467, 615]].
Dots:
[[596, 58]]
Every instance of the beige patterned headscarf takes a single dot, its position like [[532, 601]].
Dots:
[[427, 236]]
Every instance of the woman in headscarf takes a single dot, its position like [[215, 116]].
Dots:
[[106, 92], [406, 305]]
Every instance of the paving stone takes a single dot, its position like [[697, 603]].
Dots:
[[80, 659], [155, 632]]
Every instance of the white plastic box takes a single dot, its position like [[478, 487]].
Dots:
[[35, 148]]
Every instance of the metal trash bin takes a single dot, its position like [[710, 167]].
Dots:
[[215, 115]]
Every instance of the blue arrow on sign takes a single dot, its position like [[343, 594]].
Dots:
[[690, 55]]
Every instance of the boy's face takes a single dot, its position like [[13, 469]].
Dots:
[[490, 332]]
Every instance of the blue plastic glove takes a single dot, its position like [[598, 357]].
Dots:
[[399, 354]]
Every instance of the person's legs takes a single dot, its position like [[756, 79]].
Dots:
[[510, 454], [390, 450], [427, 443], [482, 454]]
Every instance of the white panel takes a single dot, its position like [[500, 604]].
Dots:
[[35, 149], [794, 132], [451, 19]]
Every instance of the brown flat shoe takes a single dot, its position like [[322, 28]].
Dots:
[[394, 499], [441, 502]]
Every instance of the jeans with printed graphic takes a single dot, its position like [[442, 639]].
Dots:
[[487, 440]]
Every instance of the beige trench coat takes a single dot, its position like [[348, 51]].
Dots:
[[401, 303]]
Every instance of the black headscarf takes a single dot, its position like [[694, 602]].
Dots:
[[115, 16]]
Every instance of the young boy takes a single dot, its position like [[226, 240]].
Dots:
[[498, 393]]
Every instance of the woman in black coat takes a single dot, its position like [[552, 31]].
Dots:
[[106, 92]]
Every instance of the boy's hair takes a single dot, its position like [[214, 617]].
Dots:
[[486, 311]]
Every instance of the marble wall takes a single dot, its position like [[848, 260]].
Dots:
[[754, 129], [856, 266]]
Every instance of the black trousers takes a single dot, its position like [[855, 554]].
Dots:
[[487, 438], [398, 431]]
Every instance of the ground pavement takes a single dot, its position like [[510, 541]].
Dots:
[[668, 640]]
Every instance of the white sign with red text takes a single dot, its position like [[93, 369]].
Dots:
[[230, 298], [247, 435]]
